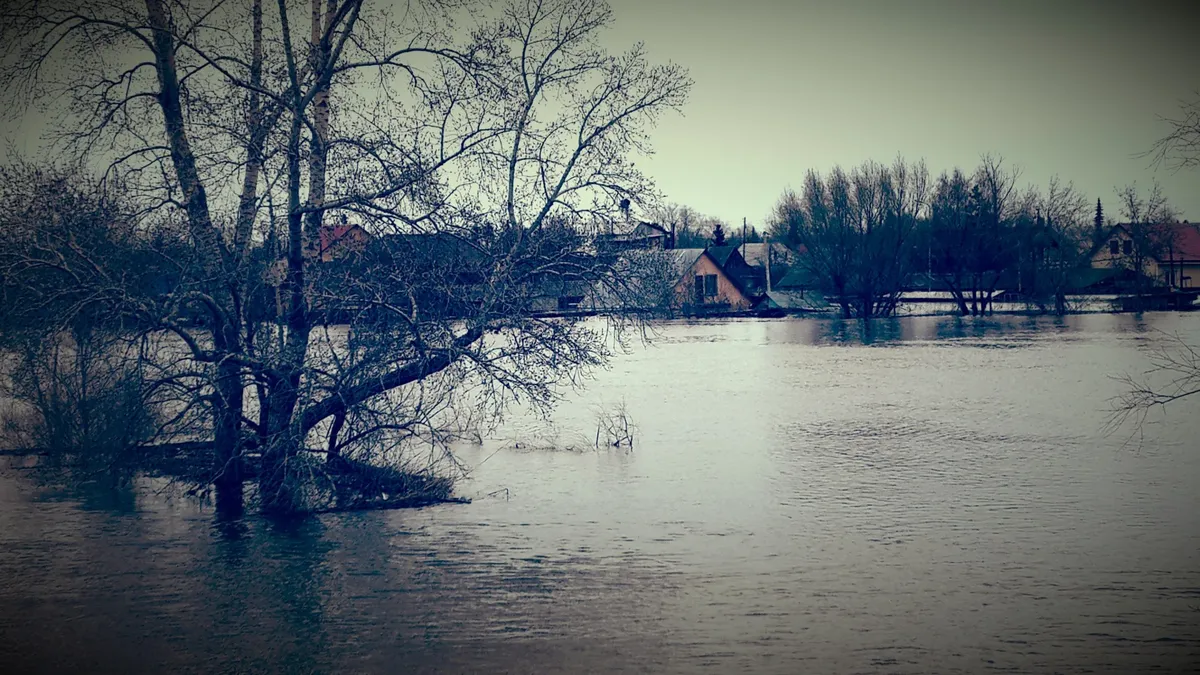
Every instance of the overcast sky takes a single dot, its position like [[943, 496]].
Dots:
[[1067, 88], [1056, 87]]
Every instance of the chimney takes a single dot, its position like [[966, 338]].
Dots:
[[625, 210]]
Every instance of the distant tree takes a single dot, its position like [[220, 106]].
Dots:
[[1098, 222], [690, 226], [852, 232], [1054, 243], [718, 234], [1148, 217], [973, 234], [751, 236], [1180, 147]]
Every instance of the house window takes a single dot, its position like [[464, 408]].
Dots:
[[698, 289], [1114, 247], [1127, 246], [710, 285]]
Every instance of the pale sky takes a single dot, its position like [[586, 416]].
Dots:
[[1056, 87], [1073, 88]]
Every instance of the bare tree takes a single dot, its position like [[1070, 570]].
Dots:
[[1148, 221], [1174, 375], [1180, 147], [1054, 243], [852, 232], [227, 115], [972, 232]]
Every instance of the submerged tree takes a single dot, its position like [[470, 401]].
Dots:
[[853, 232], [1054, 244], [219, 117], [972, 237]]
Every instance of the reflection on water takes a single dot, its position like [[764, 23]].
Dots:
[[919, 495]]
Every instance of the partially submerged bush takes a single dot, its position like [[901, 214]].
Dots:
[[614, 428], [316, 485], [78, 394]]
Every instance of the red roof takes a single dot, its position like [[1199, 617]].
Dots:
[[1186, 244], [332, 235]]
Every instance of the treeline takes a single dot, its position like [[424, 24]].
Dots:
[[694, 229], [866, 235]]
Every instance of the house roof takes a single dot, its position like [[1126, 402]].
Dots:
[[1186, 244], [1183, 239], [682, 259], [639, 231], [722, 254], [644, 228], [331, 235], [795, 300], [756, 254], [798, 277]]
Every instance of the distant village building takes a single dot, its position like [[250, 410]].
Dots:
[[1183, 256], [1173, 260], [336, 240], [640, 235], [702, 285], [1117, 249]]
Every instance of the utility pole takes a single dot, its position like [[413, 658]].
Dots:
[[768, 266], [743, 237]]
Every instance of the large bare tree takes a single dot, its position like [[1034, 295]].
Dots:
[[509, 138]]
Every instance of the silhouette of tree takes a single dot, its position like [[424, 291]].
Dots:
[[232, 119], [718, 235]]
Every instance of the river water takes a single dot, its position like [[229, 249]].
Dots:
[[930, 495]]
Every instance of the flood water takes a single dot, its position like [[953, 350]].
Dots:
[[805, 495]]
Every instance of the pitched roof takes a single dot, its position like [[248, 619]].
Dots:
[[798, 277], [722, 254], [330, 235], [756, 254], [644, 228], [796, 300], [682, 259], [1186, 244]]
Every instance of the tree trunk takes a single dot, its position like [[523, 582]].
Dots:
[[227, 442], [284, 441], [227, 403]]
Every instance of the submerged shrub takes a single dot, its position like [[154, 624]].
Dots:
[[79, 394]]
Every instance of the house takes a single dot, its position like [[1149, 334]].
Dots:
[[758, 255], [751, 280], [796, 291], [337, 240], [1174, 260], [1117, 248], [702, 286], [639, 235], [1181, 256], [333, 242]]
